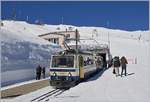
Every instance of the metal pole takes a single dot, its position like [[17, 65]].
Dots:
[[76, 46], [27, 18], [108, 35], [108, 41], [62, 20], [76, 41]]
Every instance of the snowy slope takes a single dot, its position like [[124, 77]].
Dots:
[[106, 87], [23, 50], [24, 27]]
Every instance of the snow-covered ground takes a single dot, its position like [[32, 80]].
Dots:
[[22, 51], [106, 87]]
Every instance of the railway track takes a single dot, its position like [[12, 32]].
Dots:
[[45, 97]]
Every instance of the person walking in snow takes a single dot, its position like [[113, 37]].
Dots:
[[123, 65], [38, 72], [116, 64], [43, 72]]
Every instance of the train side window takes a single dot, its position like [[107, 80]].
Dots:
[[70, 62], [89, 61]]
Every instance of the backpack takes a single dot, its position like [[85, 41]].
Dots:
[[116, 62]]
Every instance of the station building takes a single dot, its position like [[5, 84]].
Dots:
[[60, 37]]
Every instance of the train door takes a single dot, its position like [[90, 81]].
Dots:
[[104, 60], [81, 69], [103, 55]]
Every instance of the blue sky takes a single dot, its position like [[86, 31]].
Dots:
[[125, 15]]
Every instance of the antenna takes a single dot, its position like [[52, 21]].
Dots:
[[62, 20], [27, 18], [14, 14]]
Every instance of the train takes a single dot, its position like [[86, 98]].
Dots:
[[69, 68]]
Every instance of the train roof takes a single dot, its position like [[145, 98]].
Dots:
[[73, 52]]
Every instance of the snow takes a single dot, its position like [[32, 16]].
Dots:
[[105, 87], [22, 51]]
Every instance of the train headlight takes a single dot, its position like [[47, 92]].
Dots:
[[69, 76], [55, 75]]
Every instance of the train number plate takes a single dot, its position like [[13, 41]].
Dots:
[[62, 73]]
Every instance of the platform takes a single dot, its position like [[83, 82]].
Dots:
[[23, 88]]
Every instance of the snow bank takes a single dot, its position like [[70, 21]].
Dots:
[[22, 51]]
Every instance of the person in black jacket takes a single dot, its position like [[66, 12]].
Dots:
[[123, 65], [38, 72], [116, 64], [43, 72]]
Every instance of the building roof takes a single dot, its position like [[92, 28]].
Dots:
[[56, 33]]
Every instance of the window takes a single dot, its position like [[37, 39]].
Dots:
[[57, 40], [63, 61], [50, 40], [88, 61], [67, 36], [54, 40]]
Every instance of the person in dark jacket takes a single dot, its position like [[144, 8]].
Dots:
[[116, 64], [43, 72], [123, 65], [38, 72]]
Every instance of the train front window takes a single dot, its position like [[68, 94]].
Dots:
[[63, 61]]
